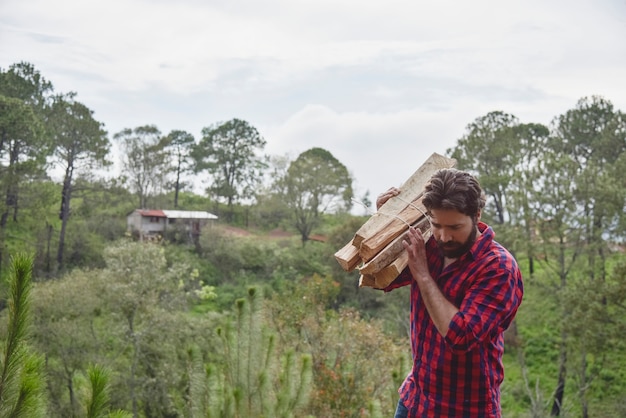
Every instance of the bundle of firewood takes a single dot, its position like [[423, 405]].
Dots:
[[376, 248]]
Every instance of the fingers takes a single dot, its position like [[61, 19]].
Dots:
[[385, 196], [415, 247], [414, 237]]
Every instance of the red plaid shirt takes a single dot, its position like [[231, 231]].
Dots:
[[459, 375]]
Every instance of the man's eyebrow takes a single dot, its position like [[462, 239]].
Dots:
[[449, 226]]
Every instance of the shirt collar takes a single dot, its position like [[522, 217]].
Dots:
[[486, 236]]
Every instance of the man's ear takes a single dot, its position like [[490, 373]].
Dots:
[[478, 216]]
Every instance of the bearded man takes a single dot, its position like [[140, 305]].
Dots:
[[465, 292]]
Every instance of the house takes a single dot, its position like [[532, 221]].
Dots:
[[152, 223]]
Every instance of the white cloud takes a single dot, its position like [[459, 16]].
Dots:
[[381, 85], [380, 150]]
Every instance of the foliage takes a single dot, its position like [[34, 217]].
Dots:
[[253, 383], [271, 210], [228, 152], [23, 81], [146, 315], [80, 143], [564, 201], [315, 183], [118, 319], [24, 144], [99, 398], [21, 376], [354, 361], [240, 258], [144, 161], [178, 144], [491, 149]]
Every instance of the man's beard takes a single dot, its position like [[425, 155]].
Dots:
[[455, 249]]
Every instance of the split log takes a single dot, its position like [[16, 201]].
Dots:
[[399, 224], [367, 280], [409, 191], [385, 257], [393, 250], [348, 257], [387, 275]]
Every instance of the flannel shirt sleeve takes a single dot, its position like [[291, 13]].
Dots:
[[489, 306]]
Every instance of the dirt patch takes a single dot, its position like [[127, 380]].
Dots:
[[236, 232], [317, 237], [279, 233]]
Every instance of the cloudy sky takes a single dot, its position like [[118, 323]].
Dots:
[[380, 84]]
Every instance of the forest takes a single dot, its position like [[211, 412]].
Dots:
[[253, 316]]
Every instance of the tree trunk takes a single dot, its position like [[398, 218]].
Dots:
[[560, 386], [133, 367], [64, 214], [12, 185], [177, 187], [48, 239], [583, 385], [497, 198], [70, 388]]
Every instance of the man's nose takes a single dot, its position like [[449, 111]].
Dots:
[[445, 236]]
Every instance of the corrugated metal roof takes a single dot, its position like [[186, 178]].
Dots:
[[188, 214], [152, 213]]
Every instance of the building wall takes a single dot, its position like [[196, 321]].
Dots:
[[152, 224], [147, 225]]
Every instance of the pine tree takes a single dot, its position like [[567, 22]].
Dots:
[[249, 381], [21, 378], [98, 398]]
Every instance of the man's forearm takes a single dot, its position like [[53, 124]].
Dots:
[[440, 309]]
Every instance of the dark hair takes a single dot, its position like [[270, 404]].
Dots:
[[454, 189]]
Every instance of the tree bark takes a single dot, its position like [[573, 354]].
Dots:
[[560, 386], [64, 214]]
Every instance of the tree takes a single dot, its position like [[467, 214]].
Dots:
[[525, 186], [97, 404], [252, 383], [22, 81], [594, 135], [315, 183], [23, 143], [592, 140], [116, 319], [270, 209], [21, 370], [560, 194], [178, 144], [348, 377], [66, 330], [19, 134], [81, 143], [229, 153], [146, 301], [490, 147], [144, 161], [21, 151], [504, 153]]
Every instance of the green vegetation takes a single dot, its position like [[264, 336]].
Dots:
[[254, 317]]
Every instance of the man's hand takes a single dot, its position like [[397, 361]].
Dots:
[[440, 309], [384, 197], [416, 249]]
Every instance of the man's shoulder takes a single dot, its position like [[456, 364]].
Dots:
[[490, 248]]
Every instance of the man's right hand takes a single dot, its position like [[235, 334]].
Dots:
[[384, 197]]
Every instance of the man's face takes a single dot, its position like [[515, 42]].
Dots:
[[454, 231]]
